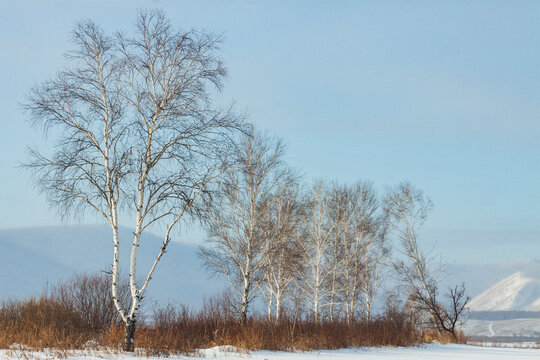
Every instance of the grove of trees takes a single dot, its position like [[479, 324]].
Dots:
[[138, 137], [322, 252]]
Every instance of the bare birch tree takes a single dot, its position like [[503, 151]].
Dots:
[[358, 248], [315, 246], [370, 231], [343, 251], [408, 208], [137, 134], [236, 244], [373, 257], [282, 233]]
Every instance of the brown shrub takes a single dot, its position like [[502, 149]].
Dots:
[[65, 316], [90, 297], [79, 312], [40, 322]]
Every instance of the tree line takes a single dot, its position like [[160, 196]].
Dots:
[[137, 135], [321, 252]]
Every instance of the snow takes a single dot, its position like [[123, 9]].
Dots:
[[432, 351], [528, 328]]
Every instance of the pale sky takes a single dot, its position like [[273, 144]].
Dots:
[[445, 95]]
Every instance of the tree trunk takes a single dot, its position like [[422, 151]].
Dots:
[[316, 306], [270, 305], [129, 344], [278, 306], [245, 302], [243, 315]]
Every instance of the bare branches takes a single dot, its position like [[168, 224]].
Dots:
[[282, 233], [136, 130], [236, 221], [407, 208]]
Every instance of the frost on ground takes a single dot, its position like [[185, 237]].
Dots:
[[433, 351]]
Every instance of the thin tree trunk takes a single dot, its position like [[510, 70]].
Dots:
[[332, 295], [129, 344], [278, 305], [245, 300], [243, 314], [316, 305], [270, 304]]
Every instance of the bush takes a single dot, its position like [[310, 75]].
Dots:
[[90, 297], [79, 312], [40, 322], [66, 316]]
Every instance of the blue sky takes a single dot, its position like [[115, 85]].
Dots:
[[443, 94]]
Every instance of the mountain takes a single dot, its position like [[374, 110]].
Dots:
[[479, 277], [508, 309], [519, 291], [31, 258]]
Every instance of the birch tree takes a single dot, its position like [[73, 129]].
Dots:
[[282, 233], [347, 249], [136, 135], [235, 245], [342, 250], [315, 246], [370, 231], [358, 248], [408, 208]]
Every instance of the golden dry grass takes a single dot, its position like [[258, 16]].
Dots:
[[57, 320]]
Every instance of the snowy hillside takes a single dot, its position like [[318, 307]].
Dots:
[[479, 277], [519, 291], [32, 257]]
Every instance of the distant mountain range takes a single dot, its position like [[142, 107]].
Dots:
[[519, 291], [508, 310], [478, 278], [31, 258]]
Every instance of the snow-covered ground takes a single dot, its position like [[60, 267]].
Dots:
[[516, 328], [434, 351]]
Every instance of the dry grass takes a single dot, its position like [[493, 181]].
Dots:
[[430, 336], [56, 321], [44, 323]]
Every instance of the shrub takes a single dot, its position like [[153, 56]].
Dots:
[[79, 312]]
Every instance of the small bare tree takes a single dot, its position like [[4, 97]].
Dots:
[[137, 132], [447, 317], [408, 208], [236, 244]]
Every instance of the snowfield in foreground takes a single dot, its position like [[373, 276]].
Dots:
[[433, 351]]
